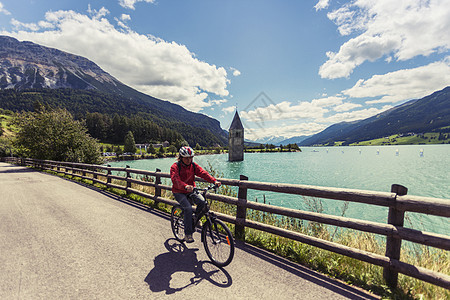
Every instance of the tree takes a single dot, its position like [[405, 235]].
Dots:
[[118, 151], [151, 149], [295, 147], [6, 147], [172, 149], [129, 144], [161, 150], [55, 135]]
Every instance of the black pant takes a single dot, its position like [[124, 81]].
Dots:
[[187, 208]]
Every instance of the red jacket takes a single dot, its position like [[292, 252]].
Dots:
[[185, 176]]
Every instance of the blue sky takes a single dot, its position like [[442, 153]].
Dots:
[[291, 67]]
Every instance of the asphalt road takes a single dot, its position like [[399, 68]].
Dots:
[[63, 240]]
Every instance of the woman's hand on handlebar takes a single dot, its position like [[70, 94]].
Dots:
[[217, 183], [189, 188]]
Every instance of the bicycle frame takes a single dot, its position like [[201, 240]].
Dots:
[[206, 211]]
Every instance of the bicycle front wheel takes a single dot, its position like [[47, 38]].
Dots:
[[177, 222], [218, 242]]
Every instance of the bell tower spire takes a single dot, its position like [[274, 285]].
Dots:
[[236, 139]]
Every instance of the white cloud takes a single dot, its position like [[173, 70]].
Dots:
[[28, 26], [3, 10], [288, 131], [219, 101], [327, 101], [322, 4], [165, 70], [346, 107], [316, 114], [130, 3], [403, 84], [125, 17], [235, 72], [229, 109], [353, 115], [354, 53], [122, 21], [283, 111], [121, 24], [97, 14], [264, 122], [348, 19], [405, 29]]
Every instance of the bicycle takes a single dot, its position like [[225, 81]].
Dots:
[[215, 235]]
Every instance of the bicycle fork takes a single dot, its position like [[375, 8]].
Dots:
[[214, 233], [206, 226]]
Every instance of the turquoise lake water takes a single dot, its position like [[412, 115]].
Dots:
[[423, 169]]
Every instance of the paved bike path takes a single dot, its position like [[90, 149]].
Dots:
[[63, 240]]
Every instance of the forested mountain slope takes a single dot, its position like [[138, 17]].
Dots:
[[31, 72]]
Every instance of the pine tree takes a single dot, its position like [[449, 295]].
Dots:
[[129, 144]]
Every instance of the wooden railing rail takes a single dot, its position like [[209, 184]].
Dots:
[[397, 201]]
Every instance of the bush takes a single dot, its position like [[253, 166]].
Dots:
[[6, 147], [55, 135]]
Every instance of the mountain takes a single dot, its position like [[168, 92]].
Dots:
[[26, 65], [274, 140], [281, 140], [294, 140], [431, 113]]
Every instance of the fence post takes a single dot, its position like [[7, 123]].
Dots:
[[157, 187], [241, 211], [108, 174], [128, 182], [396, 217]]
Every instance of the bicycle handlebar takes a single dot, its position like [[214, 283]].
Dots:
[[210, 187]]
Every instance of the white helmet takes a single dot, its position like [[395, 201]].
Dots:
[[186, 151]]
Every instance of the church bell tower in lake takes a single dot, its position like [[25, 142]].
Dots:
[[236, 140]]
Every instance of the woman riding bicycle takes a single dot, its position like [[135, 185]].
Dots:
[[183, 174]]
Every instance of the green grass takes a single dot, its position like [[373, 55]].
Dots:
[[8, 129], [427, 138]]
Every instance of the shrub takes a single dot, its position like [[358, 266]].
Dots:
[[55, 135]]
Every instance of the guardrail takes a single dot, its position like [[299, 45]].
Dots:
[[397, 200]]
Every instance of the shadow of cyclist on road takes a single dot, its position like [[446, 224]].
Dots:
[[179, 268]]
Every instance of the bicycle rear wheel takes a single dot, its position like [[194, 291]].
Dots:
[[218, 242], [177, 222]]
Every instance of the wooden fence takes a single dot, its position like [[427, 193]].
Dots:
[[397, 200]]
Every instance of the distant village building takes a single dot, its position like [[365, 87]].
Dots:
[[155, 146], [236, 140]]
